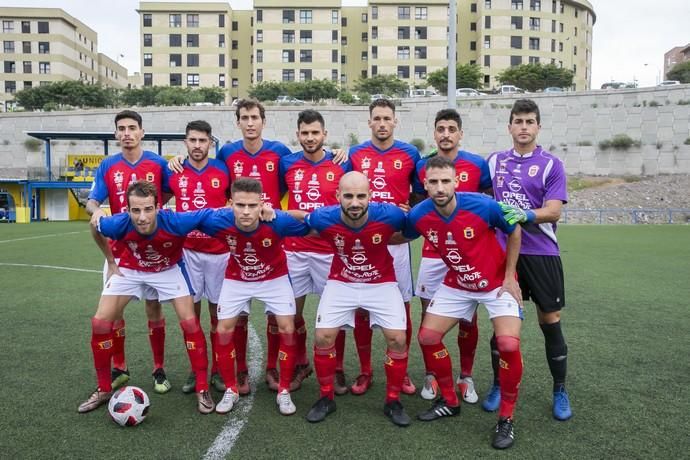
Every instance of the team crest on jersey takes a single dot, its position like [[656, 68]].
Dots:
[[183, 182], [266, 242], [533, 170], [167, 244], [330, 176], [499, 181], [339, 242], [463, 176], [398, 164], [432, 236], [377, 238], [468, 232], [150, 177], [238, 168], [215, 182], [270, 166], [366, 163]]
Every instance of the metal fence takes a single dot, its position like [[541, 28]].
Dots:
[[625, 216]]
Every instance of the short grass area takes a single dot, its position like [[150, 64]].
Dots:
[[626, 323]]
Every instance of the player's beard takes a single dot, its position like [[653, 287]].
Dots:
[[312, 150], [442, 202], [346, 212]]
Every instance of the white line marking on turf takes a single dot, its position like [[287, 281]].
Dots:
[[85, 270], [39, 236], [231, 430]]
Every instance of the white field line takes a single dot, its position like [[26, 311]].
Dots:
[[39, 236], [226, 439], [54, 267]]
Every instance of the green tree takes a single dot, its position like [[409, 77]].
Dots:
[[214, 95], [466, 76], [68, 93], [389, 85], [314, 90], [174, 95], [533, 77], [267, 90], [680, 72]]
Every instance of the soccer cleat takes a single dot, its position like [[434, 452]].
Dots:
[[430, 388], [504, 437], [320, 410], [272, 379], [394, 410], [96, 399], [302, 371], [466, 390], [285, 404], [205, 402], [362, 384], [217, 382], [228, 401], [493, 399], [243, 383], [161, 384], [439, 409], [119, 377], [561, 405], [408, 387], [340, 384], [190, 385]]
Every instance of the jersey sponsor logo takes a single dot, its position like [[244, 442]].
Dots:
[[432, 236], [266, 242], [376, 238], [330, 176], [150, 177], [533, 170], [270, 166], [450, 241], [215, 182], [453, 256], [463, 176], [359, 258], [238, 168], [398, 164], [183, 183], [339, 241], [468, 232], [299, 176], [499, 181], [366, 163], [515, 185]]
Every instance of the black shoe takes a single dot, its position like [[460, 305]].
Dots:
[[320, 410], [504, 436], [395, 411], [439, 409]]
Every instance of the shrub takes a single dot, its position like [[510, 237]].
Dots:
[[335, 145], [352, 139], [654, 104], [584, 144], [659, 144], [687, 141], [419, 143], [33, 145], [619, 142], [684, 102]]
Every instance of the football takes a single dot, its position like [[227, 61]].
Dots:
[[129, 406]]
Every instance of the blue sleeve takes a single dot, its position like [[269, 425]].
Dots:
[[114, 227], [347, 166], [181, 223], [281, 149], [286, 225], [314, 220], [397, 217], [496, 218], [485, 177], [417, 185], [164, 180], [409, 231], [216, 220], [99, 189]]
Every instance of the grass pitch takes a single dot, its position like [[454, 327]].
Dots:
[[626, 324]]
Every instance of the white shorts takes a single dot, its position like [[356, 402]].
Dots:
[[308, 271], [461, 304], [340, 300], [236, 296], [403, 269], [207, 272], [167, 285], [430, 276]]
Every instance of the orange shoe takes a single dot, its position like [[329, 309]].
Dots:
[[362, 384]]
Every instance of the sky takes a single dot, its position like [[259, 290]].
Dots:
[[630, 36]]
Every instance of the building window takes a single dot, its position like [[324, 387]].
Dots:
[[26, 47], [560, 46], [575, 31], [403, 33], [305, 16], [8, 47], [305, 56], [192, 79], [235, 64], [403, 53], [221, 40], [420, 33], [192, 20], [419, 72], [343, 22], [365, 56], [343, 59], [26, 27], [288, 75], [43, 47], [553, 45], [259, 36], [576, 12], [28, 85], [487, 22], [534, 24], [221, 80], [193, 40], [10, 67], [235, 82], [221, 20], [44, 67], [374, 52], [487, 60], [487, 41], [560, 27], [374, 32], [343, 40], [175, 20], [259, 75], [363, 74], [404, 13], [334, 37], [148, 59], [534, 43], [175, 79], [515, 60], [534, 60], [516, 22], [259, 56], [44, 28], [420, 12], [11, 87], [365, 18], [553, 26], [288, 16], [473, 26], [288, 55], [516, 42], [420, 52], [221, 60], [147, 20], [473, 46], [574, 50], [192, 60], [403, 71], [374, 12], [487, 4], [148, 79], [175, 60], [148, 40], [374, 70], [334, 56], [8, 26], [27, 67], [235, 26], [553, 6], [473, 7], [304, 36], [235, 44], [175, 40], [516, 4], [334, 74], [335, 17], [535, 5], [365, 37], [305, 74]]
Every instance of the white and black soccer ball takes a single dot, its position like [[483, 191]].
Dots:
[[129, 406]]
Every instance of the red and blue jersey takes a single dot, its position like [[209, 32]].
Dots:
[[310, 185], [262, 166], [156, 252], [196, 189], [472, 172], [361, 254], [390, 171], [466, 240], [256, 255]]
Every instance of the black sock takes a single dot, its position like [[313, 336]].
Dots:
[[556, 353], [494, 358]]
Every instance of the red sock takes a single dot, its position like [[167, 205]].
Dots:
[[196, 350], [509, 373], [286, 357], [272, 342], [213, 335], [408, 331], [102, 344], [363, 340], [468, 335], [240, 339], [118, 350], [301, 331], [339, 350], [396, 369], [225, 357], [437, 361], [324, 365], [157, 342]]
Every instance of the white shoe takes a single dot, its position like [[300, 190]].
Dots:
[[226, 404], [466, 389], [430, 389], [285, 404]]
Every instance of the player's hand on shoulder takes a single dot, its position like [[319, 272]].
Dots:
[[340, 156], [268, 214], [175, 163], [96, 216], [405, 206]]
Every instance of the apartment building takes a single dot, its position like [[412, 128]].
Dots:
[[45, 45], [674, 56]]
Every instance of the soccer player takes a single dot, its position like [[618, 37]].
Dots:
[[152, 242], [389, 165], [472, 172], [361, 274], [311, 178], [462, 229], [203, 183], [257, 269], [113, 176], [531, 183]]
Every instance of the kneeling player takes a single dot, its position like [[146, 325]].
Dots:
[[152, 259], [461, 227]]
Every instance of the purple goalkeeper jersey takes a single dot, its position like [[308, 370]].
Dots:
[[528, 181]]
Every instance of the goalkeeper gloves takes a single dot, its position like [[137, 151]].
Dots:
[[514, 215]]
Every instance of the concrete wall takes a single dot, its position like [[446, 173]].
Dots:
[[658, 118]]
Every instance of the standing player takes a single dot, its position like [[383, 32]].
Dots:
[[113, 176], [361, 275], [257, 269], [311, 178], [151, 258], [531, 183], [203, 183], [472, 172], [462, 229], [389, 165]]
